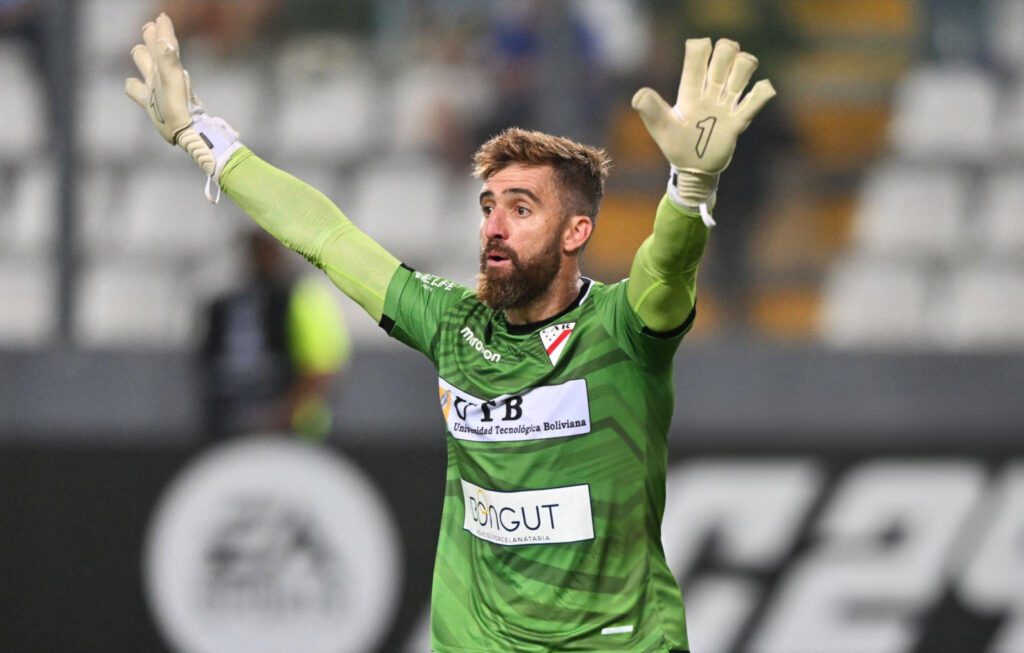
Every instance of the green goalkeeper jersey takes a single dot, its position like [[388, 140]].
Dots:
[[555, 488], [556, 432]]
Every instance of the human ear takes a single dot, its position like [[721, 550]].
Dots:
[[577, 233]]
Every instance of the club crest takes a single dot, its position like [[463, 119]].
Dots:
[[555, 338]]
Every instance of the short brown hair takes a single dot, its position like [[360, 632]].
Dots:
[[580, 169]]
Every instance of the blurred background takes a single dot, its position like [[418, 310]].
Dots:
[[846, 470]]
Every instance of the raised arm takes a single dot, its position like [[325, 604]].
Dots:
[[698, 136], [306, 221], [292, 211]]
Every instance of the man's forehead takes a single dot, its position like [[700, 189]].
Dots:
[[535, 178]]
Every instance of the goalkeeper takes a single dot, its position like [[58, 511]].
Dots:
[[556, 390]]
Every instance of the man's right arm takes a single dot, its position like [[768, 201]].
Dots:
[[306, 221], [292, 211]]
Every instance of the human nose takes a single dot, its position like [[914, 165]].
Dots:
[[495, 225]]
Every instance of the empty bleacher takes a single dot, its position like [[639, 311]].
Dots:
[[900, 221]]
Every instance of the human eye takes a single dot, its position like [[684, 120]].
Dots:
[[522, 211], [486, 209]]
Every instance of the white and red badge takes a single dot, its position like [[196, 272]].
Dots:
[[555, 338]]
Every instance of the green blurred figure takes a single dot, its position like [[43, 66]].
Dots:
[[273, 350]]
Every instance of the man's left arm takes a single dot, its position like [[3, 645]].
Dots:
[[698, 136], [662, 286]]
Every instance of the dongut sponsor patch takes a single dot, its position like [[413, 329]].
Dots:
[[549, 516], [552, 411]]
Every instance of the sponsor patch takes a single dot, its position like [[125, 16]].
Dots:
[[431, 281], [551, 516], [552, 411]]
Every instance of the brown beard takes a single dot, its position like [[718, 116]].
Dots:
[[524, 282]]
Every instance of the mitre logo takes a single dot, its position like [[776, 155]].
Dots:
[[555, 339]]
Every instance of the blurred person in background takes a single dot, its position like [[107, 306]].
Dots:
[[239, 26], [536, 358], [273, 350]]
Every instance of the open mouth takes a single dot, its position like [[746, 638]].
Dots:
[[497, 258]]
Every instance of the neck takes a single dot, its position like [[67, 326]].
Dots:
[[563, 291]]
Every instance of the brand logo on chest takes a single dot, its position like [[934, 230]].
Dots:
[[555, 338], [478, 344]]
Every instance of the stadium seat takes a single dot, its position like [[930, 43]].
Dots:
[[1001, 213], [28, 296], [327, 110], [873, 303], [421, 93], [911, 211], [459, 258], [109, 28], [1011, 123], [980, 306], [29, 221], [945, 113], [166, 213], [23, 111], [129, 304], [401, 202], [110, 126], [101, 212], [233, 91]]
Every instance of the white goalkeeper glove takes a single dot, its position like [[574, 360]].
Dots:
[[166, 95], [698, 135]]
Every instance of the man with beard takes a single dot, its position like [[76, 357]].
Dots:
[[556, 390]]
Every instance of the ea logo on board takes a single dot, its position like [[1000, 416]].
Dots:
[[269, 544]]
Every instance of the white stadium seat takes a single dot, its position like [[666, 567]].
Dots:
[[234, 92], [421, 92], [101, 211], [1000, 222], [109, 28], [327, 108], [23, 110], [1010, 125], [910, 211], [876, 304], [980, 306], [460, 226], [945, 113], [28, 295], [110, 126], [400, 202], [126, 304], [29, 221], [167, 213]]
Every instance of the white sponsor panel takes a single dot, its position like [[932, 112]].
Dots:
[[552, 411], [549, 516], [267, 544]]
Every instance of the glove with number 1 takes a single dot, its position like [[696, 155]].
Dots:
[[166, 94], [698, 135]]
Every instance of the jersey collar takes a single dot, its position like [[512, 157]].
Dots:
[[523, 329]]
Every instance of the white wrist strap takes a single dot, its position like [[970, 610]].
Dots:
[[210, 142], [674, 194]]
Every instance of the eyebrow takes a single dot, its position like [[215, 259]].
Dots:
[[487, 194]]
